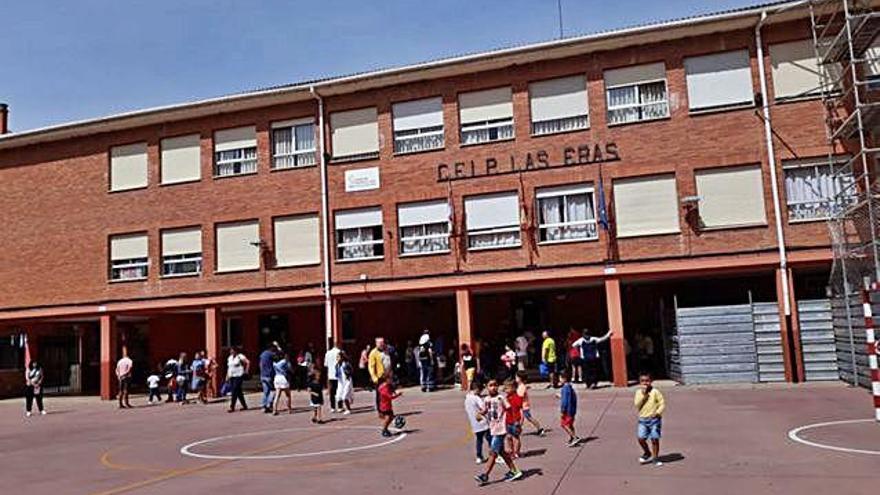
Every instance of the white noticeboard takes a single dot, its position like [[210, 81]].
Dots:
[[363, 179]]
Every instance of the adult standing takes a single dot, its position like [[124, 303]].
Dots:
[[267, 375], [210, 372], [575, 364], [237, 365], [548, 358], [426, 363], [199, 375], [379, 364], [33, 388], [171, 378], [183, 376], [468, 364], [363, 364], [588, 346], [345, 376], [123, 375], [330, 362], [522, 352], [281, 367]]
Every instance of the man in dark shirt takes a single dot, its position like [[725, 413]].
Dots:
[[267, 375]]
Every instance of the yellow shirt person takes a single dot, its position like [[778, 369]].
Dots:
[[548, 350], [376, 361], [651, 408]]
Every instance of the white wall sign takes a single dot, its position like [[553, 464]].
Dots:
[[362, 179]]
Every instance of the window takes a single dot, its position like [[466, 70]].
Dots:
[[646, 206], [811, 189], [293, 143], [359, 234], [128, 167], [731, 196], [233, 333], [486, 115], [719, 80], [418, 125], [238, 246], [492, 220], [872, 65], [355, 134], [796, 72], [559, 105], [636, 93], [424, 227], [181, 159], [181, 252], [297, 241], [566, 213], [235, 151], [128, 257]]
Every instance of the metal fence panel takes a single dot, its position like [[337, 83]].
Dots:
[[817, 339]]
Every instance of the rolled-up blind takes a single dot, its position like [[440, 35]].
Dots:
[[354, 132], [353, 219], [297, 241], [731, 197], [558, 98], [418, 114], [719, 79], [423, 213], [128, 246], [490, 104], [181, 159], [566, 190], [492, 211], [233, 139], [128, 167], [795, 69], [635, 74], [238, 246], [181, 241], [646, 206]]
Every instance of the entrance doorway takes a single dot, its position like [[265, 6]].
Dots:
[[273, 328]]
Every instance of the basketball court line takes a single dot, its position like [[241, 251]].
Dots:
[[794, 435]]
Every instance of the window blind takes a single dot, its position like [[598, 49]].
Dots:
[[719, 80], [558, 98], [731, 196], [354, 132], [181, 241], [490, 104], [237, 246], [128, 167], [646, 206], [181, 159], [492, 210], [297, 241]]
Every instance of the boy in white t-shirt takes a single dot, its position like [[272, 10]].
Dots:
[[153, 386], [473, 406], [495, 410]]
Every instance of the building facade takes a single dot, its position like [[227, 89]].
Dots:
[[594, 182]]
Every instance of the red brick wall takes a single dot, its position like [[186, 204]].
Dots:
[[58, 214]]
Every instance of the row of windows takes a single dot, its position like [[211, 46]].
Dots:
[[633, 94], [729, 197]]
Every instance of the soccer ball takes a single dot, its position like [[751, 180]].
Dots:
[[399, 422]]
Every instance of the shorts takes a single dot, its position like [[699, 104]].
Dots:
[[280, 381], [650, 428], [124, 383], [496, 443], [387, 413], [577, 361], [316, 405], [514, 429], [566, 420]]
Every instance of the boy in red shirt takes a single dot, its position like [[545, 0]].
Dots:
[[495, 408], [514, 418], [387, 394]]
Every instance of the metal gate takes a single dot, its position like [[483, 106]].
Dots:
[[817, 339], [768, 342], [849, 337], [714, 344]]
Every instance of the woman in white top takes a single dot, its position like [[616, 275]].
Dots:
[[282, 384], [237, 365], [345, 386], [33, 380]]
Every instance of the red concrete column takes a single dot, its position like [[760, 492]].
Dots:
[[108, 356], [463, 302], [213, 342], [336, 321], [31, 347], [615, 322], [791, 342]]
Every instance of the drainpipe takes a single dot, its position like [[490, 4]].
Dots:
[[4, 118], [325, 219], [771, 157]]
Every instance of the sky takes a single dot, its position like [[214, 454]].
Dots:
[[65, 60]]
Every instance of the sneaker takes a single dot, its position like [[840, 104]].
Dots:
[[482, 479], [645, 459], [346, 412], [574, 442], [43, 413], [541, 432], [479, 460], [27, 414], [333, 411], [658, 463], [386, 433], [514, 475]]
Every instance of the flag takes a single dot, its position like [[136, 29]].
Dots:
[[603, 209]]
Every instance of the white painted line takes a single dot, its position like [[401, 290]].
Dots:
[[793, 435], [187, 449]]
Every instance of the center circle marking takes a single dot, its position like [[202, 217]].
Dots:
[[794, 435]]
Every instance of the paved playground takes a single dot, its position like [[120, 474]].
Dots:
[[716, 439]]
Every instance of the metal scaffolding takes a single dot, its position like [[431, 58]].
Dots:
[[845, 36]]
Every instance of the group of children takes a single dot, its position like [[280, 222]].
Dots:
[[497, 419], [182, 377]]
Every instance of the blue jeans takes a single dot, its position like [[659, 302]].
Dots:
[[482, 436], [650, 428], [268, 391], [427, 376], [181, 390]]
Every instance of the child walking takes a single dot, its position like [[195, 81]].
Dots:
[[522, 389], [153, 387], [316, 397], [514, 418], [473, 406], [650, 405], [495, 410], [386, 394], [568, 410]]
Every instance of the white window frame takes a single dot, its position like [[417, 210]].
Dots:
[[423, 236], [426, 138], [816, 164], [638, 90], [181, 260], [503, 229], [340, 246], [498, 125], [241, 164], [586, 189], [140, 264], [300, 157]]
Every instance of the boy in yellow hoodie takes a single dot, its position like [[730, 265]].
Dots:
[[650, 405]]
